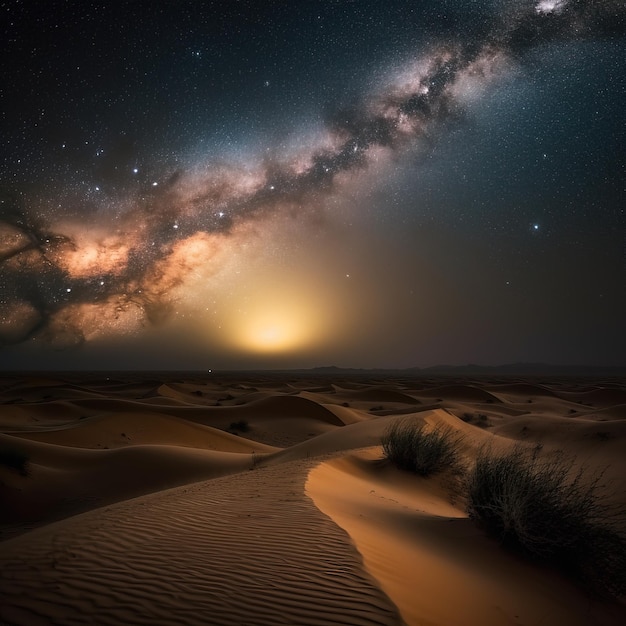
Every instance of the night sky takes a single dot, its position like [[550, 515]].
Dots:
[[293, 184]]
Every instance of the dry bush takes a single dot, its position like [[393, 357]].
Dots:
[[411, 447], [552, 513]]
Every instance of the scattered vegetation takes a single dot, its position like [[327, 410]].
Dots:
[[412, 447], [14, 459], [551, 513], [479, 419], [603, 435], [241, 426]]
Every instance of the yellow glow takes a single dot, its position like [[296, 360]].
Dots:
[[277, 323], [248, 300], [273, 331]]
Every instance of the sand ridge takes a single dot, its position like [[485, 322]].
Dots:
[[263, 499], [244, 549]]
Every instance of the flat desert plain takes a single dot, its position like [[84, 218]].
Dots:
[[266, 499]]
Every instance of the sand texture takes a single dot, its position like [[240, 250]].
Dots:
[[265, 499]]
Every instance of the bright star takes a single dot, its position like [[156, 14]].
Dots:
[[550, 6]]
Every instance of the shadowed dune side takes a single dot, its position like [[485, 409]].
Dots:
[[268, 406], [463, 393], [519, 389], [189, 394], [40, 414], [166, 401], [244, 549], [286, 406], [596, 397], [275, 420], [376, 394], [65, 481], [354, 406], [137, 428], [565, 430], [348, 415], [616, 412]]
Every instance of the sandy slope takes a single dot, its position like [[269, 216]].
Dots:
[[434, 564], [245, 549], [264, 501]]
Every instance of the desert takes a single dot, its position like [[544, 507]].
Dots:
[[267, 498]]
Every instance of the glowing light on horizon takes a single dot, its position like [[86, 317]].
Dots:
[[275, 329]]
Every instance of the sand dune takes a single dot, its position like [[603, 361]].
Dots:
[[244, 549], [266, 500], [465, 393], [115, 430], [378, 394], [431, 561], [520, 389]]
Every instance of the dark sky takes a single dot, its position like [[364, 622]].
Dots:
[[292, 184]]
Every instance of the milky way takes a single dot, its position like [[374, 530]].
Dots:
[[112, 264]]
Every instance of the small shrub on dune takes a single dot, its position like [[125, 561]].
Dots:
[[14, 459], [241, 426], [412, 447], [551, 513]]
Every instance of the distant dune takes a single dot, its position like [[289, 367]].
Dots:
[[264, 498]]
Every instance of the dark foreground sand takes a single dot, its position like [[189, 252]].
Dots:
[[262, 499]]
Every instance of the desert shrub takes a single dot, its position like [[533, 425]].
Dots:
[[479, 419], [551, 513], [241, 425], [411, 447], [14, 459]]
